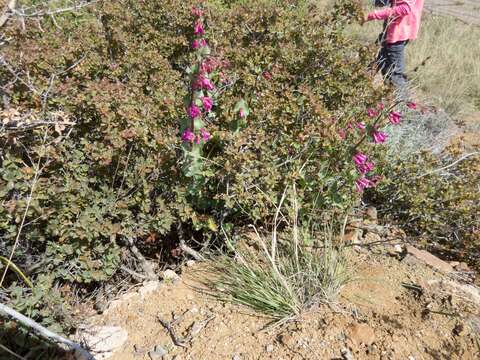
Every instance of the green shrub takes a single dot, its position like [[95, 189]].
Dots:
[[435, 202], [116, 174]]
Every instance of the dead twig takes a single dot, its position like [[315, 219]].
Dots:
[[171, 332]]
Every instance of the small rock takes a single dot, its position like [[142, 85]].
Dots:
[[429, 259], [170, 275], [269, 348], [346, 354], [138, 350], [372, 213], [454, 263], [148, 288], [353, 236], [190, 263], [462, 267], [236, 357], [398, 248], [361, 334], [103, 341], [458, 330], [157, 353]]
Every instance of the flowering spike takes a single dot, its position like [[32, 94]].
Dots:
[[359, 158], [193, 111], [198, 28], [188, 136], [372, 113], [379, 137], [207, 103], [395, 117]]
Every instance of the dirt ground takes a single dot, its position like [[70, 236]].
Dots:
[[465, 10], [376, 317]]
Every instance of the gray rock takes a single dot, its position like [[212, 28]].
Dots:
[[103, 341], [157, 353], [346, 354], [269, 348]]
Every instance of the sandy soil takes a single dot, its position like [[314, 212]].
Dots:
[[376, 317]]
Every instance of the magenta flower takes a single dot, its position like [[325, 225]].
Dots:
[[205, 134], [193, 111], [395, 117], [362, 183], [198, 28], [197, 12], [366, 167], [411, 105], [242, 113], [372, 113], [207, 103], [379, 137], [360, 125], [197, 44], [188, 136], [206, 84], [359, 158]]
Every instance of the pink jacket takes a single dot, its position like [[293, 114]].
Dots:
[[403, 19]]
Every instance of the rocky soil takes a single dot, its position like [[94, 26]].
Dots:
[[403, 304]]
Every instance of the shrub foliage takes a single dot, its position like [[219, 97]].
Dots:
[[115, 175]]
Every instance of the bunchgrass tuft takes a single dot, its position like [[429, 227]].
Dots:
[[282, 276]]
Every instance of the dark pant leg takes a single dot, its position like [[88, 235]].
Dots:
[[396, 60]]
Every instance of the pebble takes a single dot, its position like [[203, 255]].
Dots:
[[236, 357], [269, 348], [157, 353], [190, 263], [170, 275]]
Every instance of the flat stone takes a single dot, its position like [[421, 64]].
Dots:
[[269, 348], [103, 341], [462, 267], [361, 334], [346, 354], [429, 259], [149, 288]]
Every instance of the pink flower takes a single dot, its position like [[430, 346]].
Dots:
[[372, 113], [379, 137], [242, 113], [193, 111], [198, 28], [395, 117], [366, 167], [208, 65], [197, 44], [362, 183], [188, 136], [359, 158], [360, 125], [197, 12], [205, 134], [380, 106], [411, 105], [206, 84], [207, 103]]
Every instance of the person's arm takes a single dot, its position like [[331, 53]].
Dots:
[[403, 7]]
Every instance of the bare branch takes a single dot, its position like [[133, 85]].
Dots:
[[66, 344]]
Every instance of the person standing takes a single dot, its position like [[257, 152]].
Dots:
[[401, 25]]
